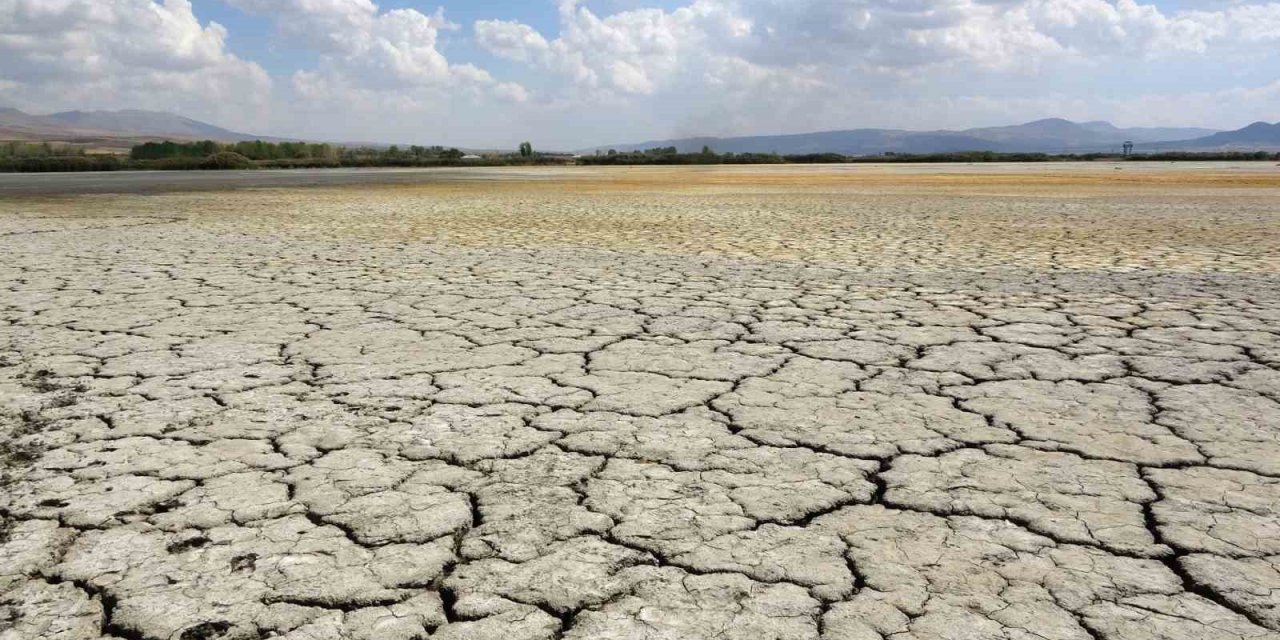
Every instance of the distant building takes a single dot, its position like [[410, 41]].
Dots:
[[471, 157]]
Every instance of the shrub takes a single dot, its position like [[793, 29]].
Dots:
[[37, 164], [226, 160]]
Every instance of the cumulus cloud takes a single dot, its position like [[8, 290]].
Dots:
[[1129, 28], [632, 52], [725, 67], [641, 50], [512, 40], [325, 25], [370, 54], [123, 53], [693, 67]]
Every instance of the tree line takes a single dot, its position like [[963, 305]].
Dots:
[[271, 155], [672, 156], [253, 154], [19, 149], [48, 156], [259, 154]]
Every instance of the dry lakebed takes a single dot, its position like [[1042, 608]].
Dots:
[[853, 402]]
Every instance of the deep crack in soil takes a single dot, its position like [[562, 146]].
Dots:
[[777, 403]]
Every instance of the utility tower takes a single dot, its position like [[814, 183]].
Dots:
[[1128, 148]]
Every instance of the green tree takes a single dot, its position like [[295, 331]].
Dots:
[[226, 160], [526, 150]]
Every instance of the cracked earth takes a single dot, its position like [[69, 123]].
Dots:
[[783, 403]]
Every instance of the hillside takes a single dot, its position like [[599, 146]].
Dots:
[[111, 128], [1052, 135], [15, 124], [1259, 136], [137, 122]]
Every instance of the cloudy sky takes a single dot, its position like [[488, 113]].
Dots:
[[574, 73]]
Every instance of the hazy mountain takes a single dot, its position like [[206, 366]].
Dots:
[[1148, 134], [131, 123], [16, 124], [1259, 136], [1056, 134], [858, 141], [1052, 135], [134, 121]]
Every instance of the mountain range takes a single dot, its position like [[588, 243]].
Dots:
[[1259, 135], [77, 126], [1053, 135]]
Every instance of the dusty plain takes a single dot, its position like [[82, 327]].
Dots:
[[849, 402]]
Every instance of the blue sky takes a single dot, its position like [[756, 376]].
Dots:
[[578, 73], [250, 35]]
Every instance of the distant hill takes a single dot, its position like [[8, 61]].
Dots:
[[1147, 134], [1056, 134], [129, 123], [134, 121], [16, 124], [1052, 135], [854, 142], [1259, 136]]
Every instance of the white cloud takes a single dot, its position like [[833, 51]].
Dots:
[[511, 40], [717, 67], [324, 25], [996, 33], [725, 67], [629, 53], [396, 50], [124, 53], [846, 41], [374, 55]]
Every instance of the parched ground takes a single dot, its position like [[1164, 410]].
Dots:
[[853, 403]]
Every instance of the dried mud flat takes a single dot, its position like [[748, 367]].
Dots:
[[839, 403]]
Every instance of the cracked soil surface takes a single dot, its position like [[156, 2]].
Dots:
[[645, 404]]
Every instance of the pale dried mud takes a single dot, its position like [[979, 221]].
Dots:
[[828, 403]]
